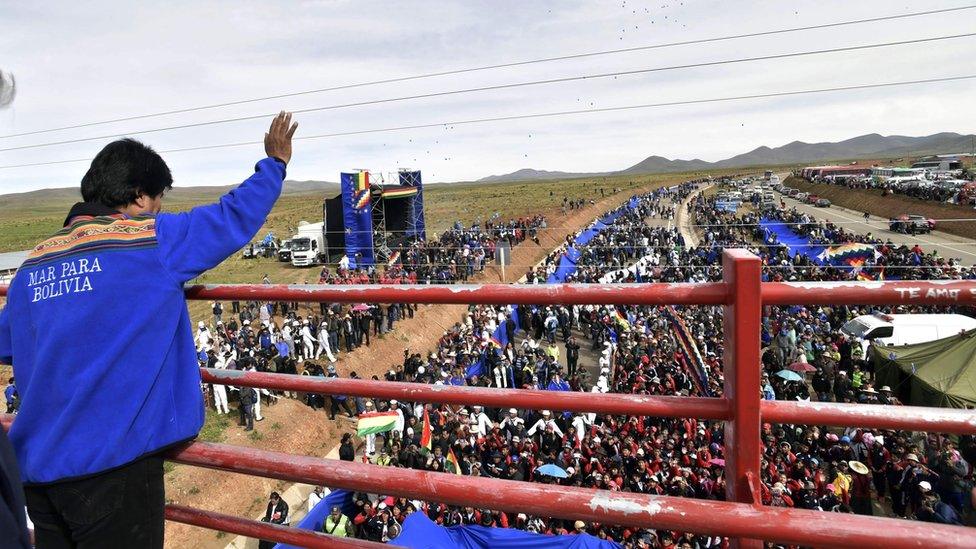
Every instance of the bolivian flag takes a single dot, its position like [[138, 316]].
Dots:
[[399, 192], [451, 465], [362, 181], [375, 422], [425, 437], [621, 319]]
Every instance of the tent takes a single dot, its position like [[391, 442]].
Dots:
[[935, 373]]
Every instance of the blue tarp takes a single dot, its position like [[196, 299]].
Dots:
[[419, 532], [313, 520], [567, 266], [793, 241], [567, 263]]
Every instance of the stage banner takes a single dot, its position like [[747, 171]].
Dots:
[[418, 228], [357, 218]]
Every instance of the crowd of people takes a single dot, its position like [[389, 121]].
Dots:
[[639, 350], [455, 256], [274, 337], [938, 190]]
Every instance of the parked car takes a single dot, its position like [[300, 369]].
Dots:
[[793, 192], [258, 249], [284, 252], [822, 203], [909, 223], [811, 199], [802, 197]]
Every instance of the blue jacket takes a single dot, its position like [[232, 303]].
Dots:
[[97, 329]]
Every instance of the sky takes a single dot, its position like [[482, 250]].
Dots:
[[80, 62]]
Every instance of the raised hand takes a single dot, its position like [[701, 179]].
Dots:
[[277, 141]]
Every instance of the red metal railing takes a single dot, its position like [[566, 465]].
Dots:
[[742, 295]]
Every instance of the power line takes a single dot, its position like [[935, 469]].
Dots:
[[496, 88], [544, 115], [496, 66]]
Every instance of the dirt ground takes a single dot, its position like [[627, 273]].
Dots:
[[872, 201], [315, 434]]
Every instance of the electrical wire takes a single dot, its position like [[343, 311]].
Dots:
[[498, 66], [493, 88], [542, 115]]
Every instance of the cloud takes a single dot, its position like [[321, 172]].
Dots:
[[83, 62]]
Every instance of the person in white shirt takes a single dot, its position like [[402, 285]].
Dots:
[[317, 495], [581, 426], [288, 336], [545, 421], [344, 262], [400, 422], [204, 338], [308, 342], [482, 425], [257, 403], [220, 391], [324, 343]]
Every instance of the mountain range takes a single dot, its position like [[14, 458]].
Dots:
[[871, 146], [176, 195]]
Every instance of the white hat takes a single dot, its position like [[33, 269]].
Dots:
[[421, 370], [925, 486], [546, 412], [200, 324], [512, 411]]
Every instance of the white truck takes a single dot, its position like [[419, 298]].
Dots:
[[905, 329], [308, 246]]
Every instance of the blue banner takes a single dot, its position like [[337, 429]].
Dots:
[[314, 519], [415, 217], [357, 216], [794, 242], [419, 532], [497, 344]]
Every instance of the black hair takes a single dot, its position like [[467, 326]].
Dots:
[[122, 171]]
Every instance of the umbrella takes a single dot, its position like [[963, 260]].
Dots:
[[552, 470], [717, 461], [361, 307], [802, 367], [789, 376]]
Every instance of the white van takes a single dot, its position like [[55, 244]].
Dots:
[[905, 329]]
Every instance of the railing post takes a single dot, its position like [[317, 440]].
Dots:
[[741, 324]]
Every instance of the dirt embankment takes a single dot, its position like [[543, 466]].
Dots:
[[873, 202], [292, 427]]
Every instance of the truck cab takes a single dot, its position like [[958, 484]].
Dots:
[[308, 246], [905, 329]]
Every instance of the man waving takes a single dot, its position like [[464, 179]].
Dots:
[[102, 396]]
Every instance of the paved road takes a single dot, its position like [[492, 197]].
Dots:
[[948, 245]]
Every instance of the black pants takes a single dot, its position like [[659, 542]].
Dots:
[[247, 416], [121, 508]]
